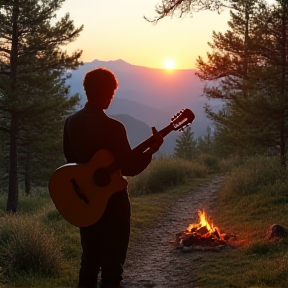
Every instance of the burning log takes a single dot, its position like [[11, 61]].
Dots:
[[202, 230], [203, 236]]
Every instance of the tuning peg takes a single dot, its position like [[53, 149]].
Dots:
[[175, 116]]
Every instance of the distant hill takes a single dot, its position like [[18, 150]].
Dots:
[[156, 88], [150, 95], [157, 117], [151, 116], [138, 131]]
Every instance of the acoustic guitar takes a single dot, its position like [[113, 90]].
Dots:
[[80, 192]]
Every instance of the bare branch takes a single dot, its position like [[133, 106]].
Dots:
[[183, 7]]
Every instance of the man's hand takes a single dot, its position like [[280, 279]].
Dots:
[[158, 141]]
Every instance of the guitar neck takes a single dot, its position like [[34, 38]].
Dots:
[[146, 144], [143, 146]]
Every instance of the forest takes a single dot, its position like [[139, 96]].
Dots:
[[247, 68]]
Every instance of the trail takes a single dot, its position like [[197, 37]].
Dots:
[[154, 261]]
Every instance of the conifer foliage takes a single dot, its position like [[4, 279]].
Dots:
[[185, 145], [33, 95], [249, 64]]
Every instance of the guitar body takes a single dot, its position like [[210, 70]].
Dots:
[[69, 204]]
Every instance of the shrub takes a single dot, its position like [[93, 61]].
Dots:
[[53, 216], [163, 173], [255, 174], [212, 162], [28, 247], [31, 204], [230, 163]]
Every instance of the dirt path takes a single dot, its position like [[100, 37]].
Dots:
[[154, 261]]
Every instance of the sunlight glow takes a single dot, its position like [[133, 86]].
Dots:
[[170, 64]]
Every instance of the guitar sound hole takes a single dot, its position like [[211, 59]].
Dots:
[[101, 177]]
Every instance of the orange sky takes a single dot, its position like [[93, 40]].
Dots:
[[116, 29]]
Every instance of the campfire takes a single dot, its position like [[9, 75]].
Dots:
[[203, 236]]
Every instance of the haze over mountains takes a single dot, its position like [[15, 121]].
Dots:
[[151, 96]]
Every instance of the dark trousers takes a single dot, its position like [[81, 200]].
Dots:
[[105, 244]]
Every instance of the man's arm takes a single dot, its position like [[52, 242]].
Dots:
[[132, 162]]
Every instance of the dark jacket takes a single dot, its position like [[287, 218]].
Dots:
[[90, 129]]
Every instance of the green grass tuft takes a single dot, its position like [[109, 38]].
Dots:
[[28, 247]]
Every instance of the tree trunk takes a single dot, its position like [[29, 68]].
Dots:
[[12, 201]]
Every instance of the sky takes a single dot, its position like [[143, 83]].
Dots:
[[116, 29]]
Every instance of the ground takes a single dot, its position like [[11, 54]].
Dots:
[[154, 261]]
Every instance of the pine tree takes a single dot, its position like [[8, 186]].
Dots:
[[246, 77], [185, 145], [204, 143], [273, 47], [233, 54], [229, 64], [32, 75]]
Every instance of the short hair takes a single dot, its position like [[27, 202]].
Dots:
[[98, 81]]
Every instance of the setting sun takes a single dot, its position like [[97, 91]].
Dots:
[[169, 64]]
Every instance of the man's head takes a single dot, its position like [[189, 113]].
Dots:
[[100, 85]]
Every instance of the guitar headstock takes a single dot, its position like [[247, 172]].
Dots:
[[182, 119]]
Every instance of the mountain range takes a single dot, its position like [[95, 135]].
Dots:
[[149, 97]]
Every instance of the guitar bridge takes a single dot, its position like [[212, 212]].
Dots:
[[79, 192]]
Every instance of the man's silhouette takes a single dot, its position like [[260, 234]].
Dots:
[[105, 243]]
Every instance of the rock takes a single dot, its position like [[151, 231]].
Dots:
[[277, 232]]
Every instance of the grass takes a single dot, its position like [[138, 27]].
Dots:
[[253, 197], [27, 247], [164, 173]]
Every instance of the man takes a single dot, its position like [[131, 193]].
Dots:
[[104, 244]]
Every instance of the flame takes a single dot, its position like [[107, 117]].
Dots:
[[204, 220]]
